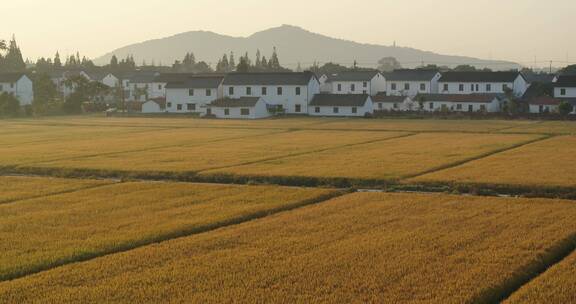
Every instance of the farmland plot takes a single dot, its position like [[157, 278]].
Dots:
[[45, 232], [556, 285], [546, 127], [544, 163], [390, 159], [224, 153], [370, 247], [14, 188]]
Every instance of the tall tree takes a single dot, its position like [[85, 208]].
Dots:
[[274, 63], [232, 62], [258, 62], [388, 64], [13, 61], [57, 61], [114, 62]]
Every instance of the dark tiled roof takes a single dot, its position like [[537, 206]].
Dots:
[[352, 76], [381, 97], [341, 100], [302, 78], [196, 82], [235, 102], [544, 100], [143, 77], [480, 98], [479, 76], [411, 75], [566, 81], [541, 78], [97, 75], [10, 77]]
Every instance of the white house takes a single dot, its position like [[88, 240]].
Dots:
[[19, 85], [384, 102], [407, 82], [543, 104], [141, 85], [191, 93], [238, 108], [353, 82], [154, 105], [482, 83], [288, 92], [341, 105], [565, 88], [459, 102], [105, 78]]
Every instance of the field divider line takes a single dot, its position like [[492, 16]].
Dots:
[[478, 157], [527, 273], [157, 239], [307, 152], [89, 187], [512, 127], [189, 144]]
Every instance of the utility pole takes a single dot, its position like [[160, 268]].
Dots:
[[550, 66]]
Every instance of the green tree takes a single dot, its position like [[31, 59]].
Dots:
[[44, 92], [57, 61], [388, 64], [571, 70], [243, 65], [274, 62], [565, 107], [13, 61]]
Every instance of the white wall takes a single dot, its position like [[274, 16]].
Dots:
[[258, 111], [342, 111], [288, 99], [111, 81], [175, 97], [430, 87], [491, 107], [519, 86], [151, 107], [22, 89], [570, 93], [374, 86], [543, 109], [406, 105]]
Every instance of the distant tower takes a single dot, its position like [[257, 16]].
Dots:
[[394, 43]]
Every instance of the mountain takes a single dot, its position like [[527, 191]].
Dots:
[[295, 45]]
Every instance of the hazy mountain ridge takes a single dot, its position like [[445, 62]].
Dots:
[[295, 45]]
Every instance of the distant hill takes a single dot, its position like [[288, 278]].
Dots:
[[295, 45]]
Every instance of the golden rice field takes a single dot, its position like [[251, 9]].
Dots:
[[389, 159], [544, 163], [48, 231], [223, 153], [555, 286], [364, 247], [546, 127], [123, 143], [19, 188]]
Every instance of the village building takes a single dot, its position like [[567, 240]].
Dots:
[[353, 82], [482, 83], [106, 78], [287, 92], [565, 89], [354, 105], [384, 102], [154, 105], [19, 85], [489, 103], [238, 108], [408, 82], [191, 93], [543, 104]]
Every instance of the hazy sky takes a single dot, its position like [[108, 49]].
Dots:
[[519, 30]]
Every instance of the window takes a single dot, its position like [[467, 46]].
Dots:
[[159, 87], [422, 87], [488, 88], [395, 106], [279, 91], [352, 87], [264, 90], [540, 108], [461, 88], [317, 110], [470, 108], [248, 91], [335, 110], [393, 86], [208, 92], [226, 112], [364, 92], [12, 85], [298, 108], [191, 107], [504, 87], [244, 111], [483, 108], [472, 87], [562, 92], [297, 90], [380, 106], [354, 110], [339, 87], [169, 104], [179, 107], [431, 106], [191, 92], [444, 108], [445, 87], [231, 91], [406, 86], [365, 84], [459, 106], [477, 87]]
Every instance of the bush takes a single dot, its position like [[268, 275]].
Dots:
[[9, 105]]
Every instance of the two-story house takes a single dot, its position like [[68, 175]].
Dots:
[[354, 82], [482, 83], [408, 82], [19, 85], [192, 93], [565, 88], [288, 92]]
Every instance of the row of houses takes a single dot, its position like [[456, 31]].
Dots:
[[357, 93]]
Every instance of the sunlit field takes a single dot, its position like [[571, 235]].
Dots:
[[44, 232], [360, 247]]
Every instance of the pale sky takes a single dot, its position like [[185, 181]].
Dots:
[[517, 30]]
